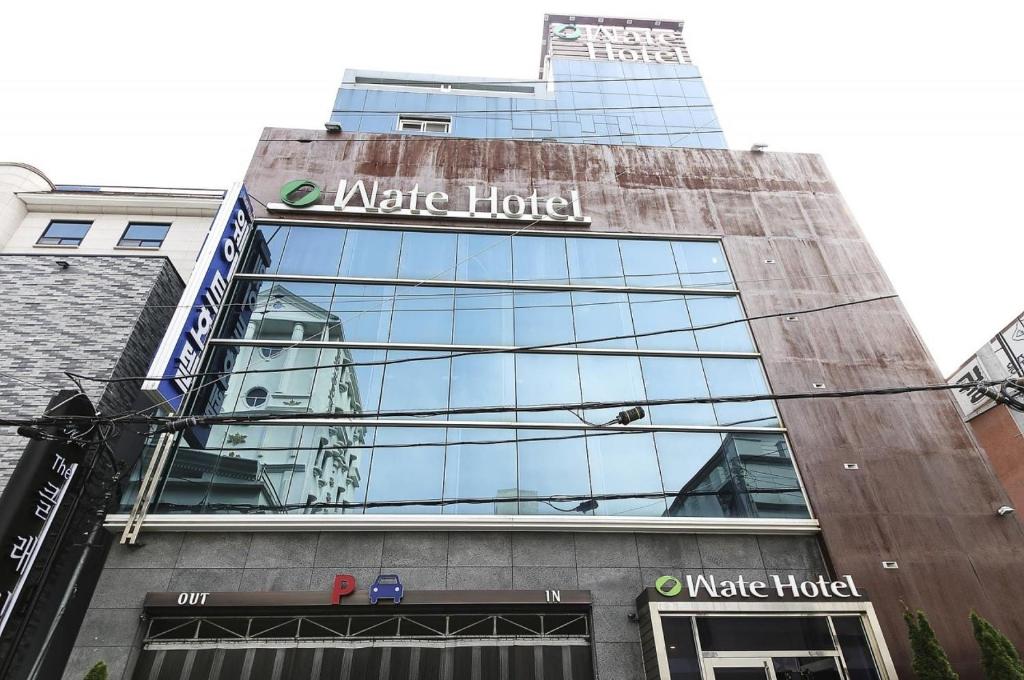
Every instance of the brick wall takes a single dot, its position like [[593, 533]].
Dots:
[[99, 316]]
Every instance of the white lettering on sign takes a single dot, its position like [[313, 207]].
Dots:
[[192, 598], [484, 203], [619, 43], [782, 587], [553, 595]]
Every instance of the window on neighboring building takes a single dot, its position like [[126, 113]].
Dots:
[[64, 233], [417, 124], [142, 235], [256, 397]]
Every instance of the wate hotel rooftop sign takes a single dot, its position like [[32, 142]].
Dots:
[[481, 203]]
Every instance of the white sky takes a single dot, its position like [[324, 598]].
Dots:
[[917, 107]]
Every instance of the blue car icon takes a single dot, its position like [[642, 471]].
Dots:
[[387, 586]]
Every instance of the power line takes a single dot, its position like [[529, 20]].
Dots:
[[396, 136], [552, 110], [266, 418], [440, 502], [425, 85], [501, 350]]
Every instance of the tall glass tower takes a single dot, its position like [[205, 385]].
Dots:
[[601, 81]]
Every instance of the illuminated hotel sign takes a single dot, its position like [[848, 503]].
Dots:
[[740, 587], [481, 203], [625, 43]]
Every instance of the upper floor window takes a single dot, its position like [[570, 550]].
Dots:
[[64, 233], [418, 124], [142, 235]]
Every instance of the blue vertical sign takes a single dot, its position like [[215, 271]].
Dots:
[[172, 374]]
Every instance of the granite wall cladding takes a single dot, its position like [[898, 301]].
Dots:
[[99, 316], [614, 567]]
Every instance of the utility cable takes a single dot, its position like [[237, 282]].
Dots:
[[501, 350]]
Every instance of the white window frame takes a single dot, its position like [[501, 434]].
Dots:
[[422, 123], [872, 628]]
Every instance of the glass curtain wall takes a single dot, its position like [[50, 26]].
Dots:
[[474, 372], [593, 102]]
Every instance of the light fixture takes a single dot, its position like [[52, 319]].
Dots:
[[759, 148], [629, 415], [63, 264], [331, 126], [1005, 510]]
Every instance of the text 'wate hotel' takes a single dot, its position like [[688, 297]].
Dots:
[[412, 356]]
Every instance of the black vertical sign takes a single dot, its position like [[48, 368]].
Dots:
[[35, 492]]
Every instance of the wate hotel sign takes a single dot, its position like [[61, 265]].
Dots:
[[479, 203], [616, 43]]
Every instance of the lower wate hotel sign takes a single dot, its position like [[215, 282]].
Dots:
[[776, 587]]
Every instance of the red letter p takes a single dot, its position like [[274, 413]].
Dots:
[[344, 584]]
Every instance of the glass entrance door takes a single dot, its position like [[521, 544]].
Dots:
[[748, 668], [806, 668]]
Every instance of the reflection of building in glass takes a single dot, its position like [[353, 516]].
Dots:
[[281, 467], [748, 476]]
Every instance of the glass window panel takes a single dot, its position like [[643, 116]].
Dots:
[[423, 315], [539, 259], [416, 385], [478, 471], [271, 238], [362, 381], [603, 315], [683, 662], [702, 264], [313, 251], [648, 263], [676, 378], [68, 229], [654, 313], [855, 648], [427, 255], [611, 379], [482, 257], [401, 475], [290, 310], [371, 253], [552, 467], [144, 235], [543, 318], [547, 379], [682, 455], [763, 633], [483, 317], [595, 261], [363, 312], [483, 380], [64, 233], [708, 310], [737, 377], [749, 476], [624, 464]]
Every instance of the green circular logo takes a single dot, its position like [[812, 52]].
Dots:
[[290, 193], [669, 586], [566, 31]]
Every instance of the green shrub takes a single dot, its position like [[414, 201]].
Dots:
[[930, 661], [998, 657], [97, 672]]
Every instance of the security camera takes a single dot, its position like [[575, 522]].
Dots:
[[1004, 510]]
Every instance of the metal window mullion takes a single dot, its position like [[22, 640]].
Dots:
[[511, 285]]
